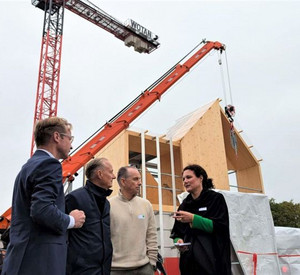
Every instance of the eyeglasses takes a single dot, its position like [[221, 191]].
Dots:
[[71, 138]]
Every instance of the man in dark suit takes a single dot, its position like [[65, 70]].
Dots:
[[38, 232], [90, 248]]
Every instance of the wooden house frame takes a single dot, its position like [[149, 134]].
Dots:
[[202, 137]]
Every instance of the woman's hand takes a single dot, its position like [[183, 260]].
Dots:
[[183, 216], [182, 248]]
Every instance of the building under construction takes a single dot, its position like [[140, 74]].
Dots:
[[202, 137]]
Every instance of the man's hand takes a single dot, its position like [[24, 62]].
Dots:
[[79, 218]]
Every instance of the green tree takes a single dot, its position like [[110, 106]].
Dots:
[[286, 213]]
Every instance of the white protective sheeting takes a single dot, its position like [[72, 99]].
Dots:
[[252, 232], [288, 247], [185, 123]]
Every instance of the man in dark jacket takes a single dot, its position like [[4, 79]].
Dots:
[[90, 248], [38, 232]]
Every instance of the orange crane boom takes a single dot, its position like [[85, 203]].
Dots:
[[132, 111]]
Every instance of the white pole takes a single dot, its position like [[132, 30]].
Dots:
[[143, 150], [160, 204], [173, 175]]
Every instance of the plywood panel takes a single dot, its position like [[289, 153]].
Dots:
[[250, 178], [117, 153], [244, 157], [150, 149], [152, 191], [135, 145], [245, 164], [166, 208], [204, 145], [165, 161], [150, 144]]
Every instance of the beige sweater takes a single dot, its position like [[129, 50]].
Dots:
[[133, 232]]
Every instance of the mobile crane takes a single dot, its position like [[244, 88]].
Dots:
[[132, 33], [122, 120]]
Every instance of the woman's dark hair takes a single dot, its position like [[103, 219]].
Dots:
[[199, 171]]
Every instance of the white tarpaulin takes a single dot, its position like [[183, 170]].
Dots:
[[252, 232], [288, 247]]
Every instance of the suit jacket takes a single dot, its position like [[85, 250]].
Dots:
[[90, 248], [39, 225]]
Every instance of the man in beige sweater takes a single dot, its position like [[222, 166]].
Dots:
[[133, 229]]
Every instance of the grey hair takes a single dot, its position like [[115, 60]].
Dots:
[[93, 165], [122, 173]]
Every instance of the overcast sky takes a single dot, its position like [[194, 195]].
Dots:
[[99, 76]]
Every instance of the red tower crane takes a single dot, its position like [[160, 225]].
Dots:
[[132, 33]]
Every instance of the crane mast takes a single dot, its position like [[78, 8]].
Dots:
[[49, 68], [133, 34]]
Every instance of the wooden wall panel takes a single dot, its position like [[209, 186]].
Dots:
[[166, 170], [117, 153], [204, 145], [150, 144], [244, 163], [250, 178], [244, 157], [150, 148], [152, 191]]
